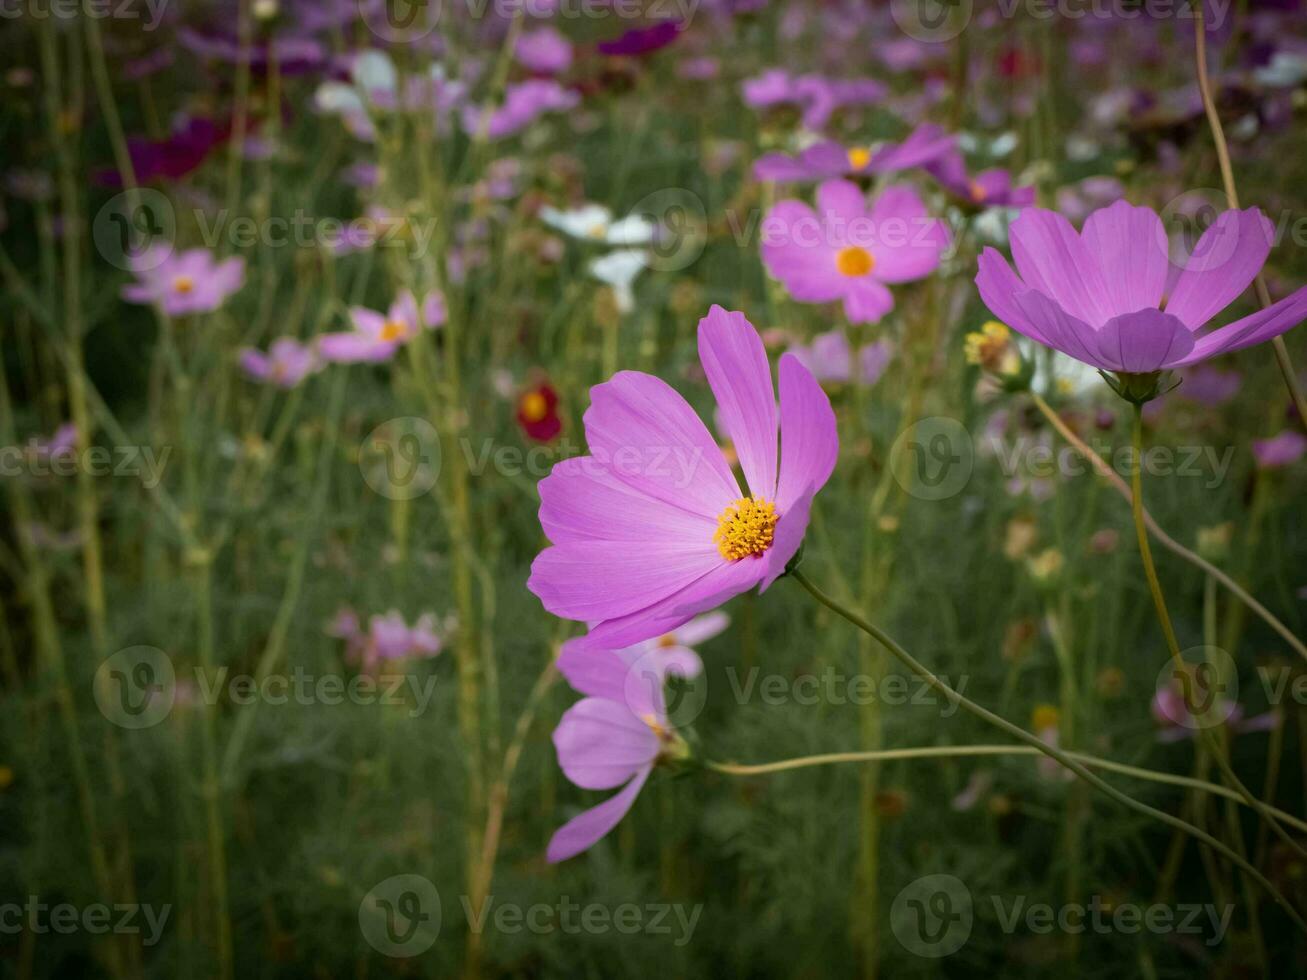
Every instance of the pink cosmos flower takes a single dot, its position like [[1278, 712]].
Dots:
[[377, 336], [183, 283], [830, 358], [286, 364], [387, 637], [827, 159], [818, 97], [845, 251], [1108, 296], [652, 528], [616, 734], [989, 188], [1280, 450], [523, 104], [543, 50], [1175, 721]]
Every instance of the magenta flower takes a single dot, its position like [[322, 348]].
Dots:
[[845, 251], [388, 637], [286, 364], [1176, 721], [652, 528], [1280, 450], [989, 188], [642, 40], [544, 50], [616, 734], [184, 282], [830, 358], [1109, 298], [817, 97], [523, 104], [828, 159], [377, 336]]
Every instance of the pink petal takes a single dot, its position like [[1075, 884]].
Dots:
[[1061, 330], [366, 321], [739, 374], [1226, 259], [809, 440], [352, 348], [1131, 248], [724, 582], [602, 743], [866, 300], [789, 536], [650, 438], [840, 205], [999, 287], [701, 629], [599, 580], [1148, 340], [1053, 259], [1254, 329], [584, 831], [581, 499]]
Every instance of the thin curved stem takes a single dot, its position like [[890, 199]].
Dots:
[[1232, 197], [1021, 735], [1164, 617], [961, 751], [1165, 540]]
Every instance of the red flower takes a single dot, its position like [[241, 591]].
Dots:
[[537, 413]]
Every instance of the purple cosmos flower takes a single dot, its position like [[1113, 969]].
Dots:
[[830, 358], [1210, 386], [287, 363], [523, 104], [1109, 298], [187, 282], [544, 50], [1176, 721], [62, 443], [189, 146], [817, 97], [377, 336], [989, 188], [616, 734], [1280, 450], [827, 159], [651, 528], [387, 637], [642, 40], [845, 251]]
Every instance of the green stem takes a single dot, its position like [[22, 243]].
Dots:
[[964, 751], [1021, 735], [1164, 617]]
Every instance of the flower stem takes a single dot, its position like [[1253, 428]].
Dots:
[[1232, 197], [962, 751], [1164, 539], [1021, 735], [1164, 617]]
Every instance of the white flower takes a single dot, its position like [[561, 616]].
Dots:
[[618, 270], [594, 222]]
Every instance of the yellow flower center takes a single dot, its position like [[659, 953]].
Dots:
[[1044, 716], [183, 284], [853, 260], [667, 640], [598, 232], [977, 192], [987, 346], [745, 528], [393, 330], [859, 157], [533, 406]]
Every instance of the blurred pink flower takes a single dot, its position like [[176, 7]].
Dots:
[[187, 282]]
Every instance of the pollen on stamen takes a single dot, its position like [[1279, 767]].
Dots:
[[745, 528], [393, 330], [853, 260], [183, 284], [859, 157]]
